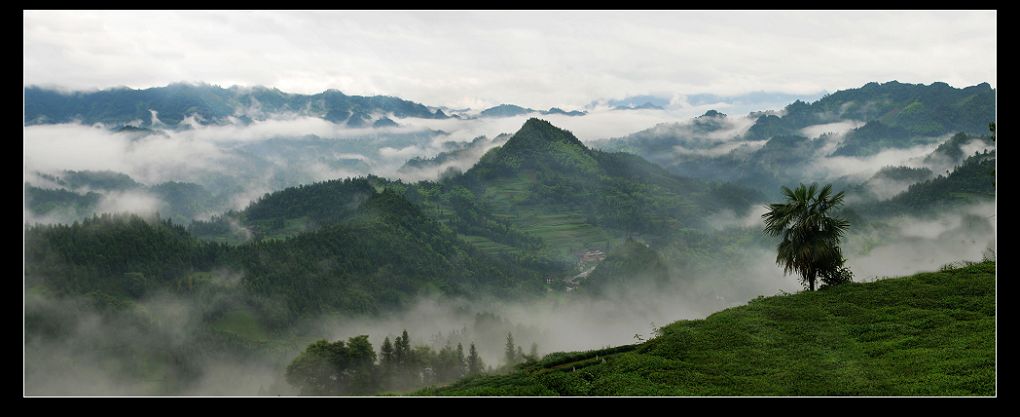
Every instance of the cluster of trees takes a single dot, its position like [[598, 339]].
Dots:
[[513, 354], [82, 192], [42, 201], [627, 265], [323, 203], [351, 367], [115, 254], [386, 253]]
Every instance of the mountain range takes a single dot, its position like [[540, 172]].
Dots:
[[533, 215], [181, 104]]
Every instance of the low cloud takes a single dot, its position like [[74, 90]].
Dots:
[[129, 202], [835, 128], [911, 244], [861, 168], [727, 218]]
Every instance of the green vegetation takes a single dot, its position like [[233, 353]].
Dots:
[[336, 368], [512, 227], [927, 334], [811, 236], [628, 265], [971, 182], [952, 149], [874, 137], [43, 201], [175, 102]]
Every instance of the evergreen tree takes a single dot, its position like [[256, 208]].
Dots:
[[534, 351], [511, 351], [462, 369], [402, 349], [474, 362], [387, 353]]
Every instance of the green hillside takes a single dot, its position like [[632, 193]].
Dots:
[[547, 184], [926, 334]]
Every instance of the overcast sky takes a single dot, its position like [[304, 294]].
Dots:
[[537, 59]]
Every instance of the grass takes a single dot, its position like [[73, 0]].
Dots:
[[241, 323], [926, 334]]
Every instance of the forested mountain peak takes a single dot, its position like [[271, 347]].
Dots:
[[535, 130], [539, 144]]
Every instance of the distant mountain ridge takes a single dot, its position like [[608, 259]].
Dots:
[[777, 147], [174, 104], [915, 109], [510, 110]]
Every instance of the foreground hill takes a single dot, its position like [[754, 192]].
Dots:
[[927, 334]]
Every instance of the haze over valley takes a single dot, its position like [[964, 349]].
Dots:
[[262, 230]]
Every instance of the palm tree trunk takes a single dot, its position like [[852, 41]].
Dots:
[[811, 280]]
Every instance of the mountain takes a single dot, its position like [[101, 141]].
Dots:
[[172, 104], [541, 193], [510, 110], [643, 106], [72, 195], [547, 181], [926, 334], [872, 138], [959, 147], [637, 102], [768, 149], [453, 161], [557, 110], [971, 182], [506, 110], [910, 109], [381, 252]]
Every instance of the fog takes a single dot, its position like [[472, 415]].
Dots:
[[154, 347], [837, 128], [727, 218], [78, 349], [908, 244], [860, 169], [238, 162]]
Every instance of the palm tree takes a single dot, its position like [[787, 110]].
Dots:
[[810, 243]]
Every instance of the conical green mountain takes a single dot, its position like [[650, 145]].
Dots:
[[539, 145], [549, 184]]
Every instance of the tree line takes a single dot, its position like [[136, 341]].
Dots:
[[353, 367]]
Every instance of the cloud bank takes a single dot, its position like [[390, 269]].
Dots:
[[480, 58]]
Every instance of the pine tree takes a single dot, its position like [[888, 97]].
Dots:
[[386, 353], [474, 362], [402, 349], [510, 352], [462, 363]]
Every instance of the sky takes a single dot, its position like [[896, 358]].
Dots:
[[537, 59]]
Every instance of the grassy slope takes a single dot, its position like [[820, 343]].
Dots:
[[927, 334]]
